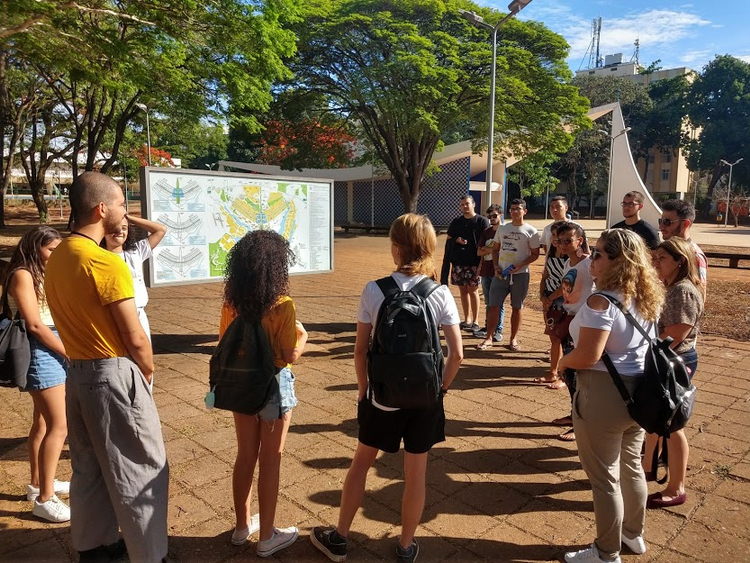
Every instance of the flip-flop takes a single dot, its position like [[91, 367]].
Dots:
[[559, 383], [545, 380], [514, 347], [484, 346], [563, 421], [568, 436]]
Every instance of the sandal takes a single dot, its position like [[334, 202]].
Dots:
[[484, 345], [544, 380], [568, 436], [514, 347], [563, 421], [559, 383]]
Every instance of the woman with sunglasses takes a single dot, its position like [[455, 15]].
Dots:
[[609, 440], [680, 319]]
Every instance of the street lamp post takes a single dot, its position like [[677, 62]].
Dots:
[[144, 108], [729, 187], [513, 8], [210, 166]]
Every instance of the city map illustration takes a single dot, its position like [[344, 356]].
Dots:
[[207, 213]]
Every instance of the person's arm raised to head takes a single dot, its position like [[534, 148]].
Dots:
[[21, 288], [133, 336], [156, 231]]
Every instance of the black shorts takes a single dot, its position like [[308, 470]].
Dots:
[[420, 428]]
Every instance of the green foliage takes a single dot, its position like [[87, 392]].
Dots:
[[404, 72], [718, 104], [533, 175]]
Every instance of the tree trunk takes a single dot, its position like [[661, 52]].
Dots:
[[37, 194]]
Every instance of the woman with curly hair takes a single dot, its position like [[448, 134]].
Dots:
[[381, 427], [680, 320], [609, 440], [135, 252], [257, 289], [45, 380]]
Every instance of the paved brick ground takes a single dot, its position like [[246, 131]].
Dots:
[[501, 488]]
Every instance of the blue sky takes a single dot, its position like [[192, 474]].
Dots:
[[679, 33]]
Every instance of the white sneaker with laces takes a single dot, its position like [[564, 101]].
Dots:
[[637, 545], [588, 555], [61, 488], [54, 510], [281, 538], [239, 537]]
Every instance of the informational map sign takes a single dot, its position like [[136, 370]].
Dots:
[[206, 213]]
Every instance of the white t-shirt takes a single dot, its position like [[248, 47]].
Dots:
[[516, 244], [440, 302], [625, 345], [579, 278], [135, 259]]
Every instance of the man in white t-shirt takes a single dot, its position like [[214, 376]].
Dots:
[[516, 246]]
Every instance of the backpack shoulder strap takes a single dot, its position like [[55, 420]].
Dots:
[[388, 285], [425, 287], [628, 316]]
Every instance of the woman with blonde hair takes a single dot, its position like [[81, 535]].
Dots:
[[413, 243], [609, 440], [680, 319]]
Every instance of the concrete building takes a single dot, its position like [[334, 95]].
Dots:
[[665, 170]]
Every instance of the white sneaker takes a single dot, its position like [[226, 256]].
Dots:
[[239, 536], [61, 488], [588, 555], [636, 545], [280, 539], [54, 510]]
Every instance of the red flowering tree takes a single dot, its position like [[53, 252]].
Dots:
[[158, 157], [305, 143]]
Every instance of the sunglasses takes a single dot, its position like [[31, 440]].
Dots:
[[669, 222], [595, 254], [566, 240], [628, 204], [493, 216]]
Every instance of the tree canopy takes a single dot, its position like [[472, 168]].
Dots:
[[718, 104], [402, 72]]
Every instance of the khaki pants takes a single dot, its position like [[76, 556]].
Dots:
[[609, 445], [120, 472]]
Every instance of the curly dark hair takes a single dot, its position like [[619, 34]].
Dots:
[[257, 273], [129, 243], [28, 256]]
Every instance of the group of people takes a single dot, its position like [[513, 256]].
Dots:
[[86, 323], [662, 284]]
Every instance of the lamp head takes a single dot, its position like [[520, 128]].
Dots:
[[518, 5], [142, 107]]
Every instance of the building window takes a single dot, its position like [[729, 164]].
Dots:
[[665, 174], [666, 156]]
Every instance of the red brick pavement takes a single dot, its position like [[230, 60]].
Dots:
[[501, 488]]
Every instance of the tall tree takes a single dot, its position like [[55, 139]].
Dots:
[[404, 71], [718, 104]]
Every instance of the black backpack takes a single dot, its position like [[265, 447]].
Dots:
[[664, 398], [405, 360], [242, 376]]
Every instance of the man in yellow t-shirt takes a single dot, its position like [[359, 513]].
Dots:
[[120, 472]]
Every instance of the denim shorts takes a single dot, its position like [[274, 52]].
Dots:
[[284, 400], [47, 369]]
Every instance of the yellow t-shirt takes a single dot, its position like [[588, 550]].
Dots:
[[279, 325], [81, 279]]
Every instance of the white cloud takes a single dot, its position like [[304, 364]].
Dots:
[[697, 56], [745, 58]]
